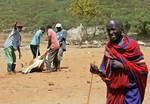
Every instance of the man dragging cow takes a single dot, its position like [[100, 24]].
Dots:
[[35, 43], [52, 48], [123, 67], [37, 64], [61, 35], [13, 43]]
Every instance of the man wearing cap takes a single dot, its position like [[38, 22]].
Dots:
[[52, 48], [11, 44], [35, 43], [61, 35]]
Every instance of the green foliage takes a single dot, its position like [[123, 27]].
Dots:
[[36, 13], [135, 14], [142, 23], [85, 7], [86, 10], [32, 13]]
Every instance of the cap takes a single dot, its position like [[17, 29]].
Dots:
[[58, 25], [19, 25]]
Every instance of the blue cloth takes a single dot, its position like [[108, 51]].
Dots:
[[132, 95], [37, 38], [14, 39], [61, 35]]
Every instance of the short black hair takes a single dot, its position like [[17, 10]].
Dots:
[[117, 22], [42, 28], [49, 26]]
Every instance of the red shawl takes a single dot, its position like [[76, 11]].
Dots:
[[127, 52]]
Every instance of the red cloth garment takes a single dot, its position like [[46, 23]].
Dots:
[[127, 52]]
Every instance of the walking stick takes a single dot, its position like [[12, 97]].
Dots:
[[90, 87]]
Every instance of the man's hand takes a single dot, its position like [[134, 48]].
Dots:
[[94, 69], [38, 46], [60, 43], [116, 64], [15, 25], [48, 49], [20, 56]]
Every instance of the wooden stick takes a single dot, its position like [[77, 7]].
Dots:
[[90, 88]]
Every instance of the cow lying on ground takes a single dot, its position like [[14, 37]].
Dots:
[[36, 64]]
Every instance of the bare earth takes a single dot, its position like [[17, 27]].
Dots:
[[68, 86]]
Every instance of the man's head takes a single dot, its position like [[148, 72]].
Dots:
[[114, 30], [19, 27], [43, 29], [49, 26], [58, 27]]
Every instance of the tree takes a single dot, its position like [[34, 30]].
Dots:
[[141, 25], [85, 10]]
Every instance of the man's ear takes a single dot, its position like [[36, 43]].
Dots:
[[121, 30]]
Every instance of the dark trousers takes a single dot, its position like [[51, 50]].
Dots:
[[57, 60], [11, 67], [34, 50]]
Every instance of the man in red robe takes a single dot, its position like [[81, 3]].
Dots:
[[123, 67]]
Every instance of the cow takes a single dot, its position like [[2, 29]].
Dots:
[[36, 64]]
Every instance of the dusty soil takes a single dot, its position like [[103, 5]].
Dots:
[[68, 86]]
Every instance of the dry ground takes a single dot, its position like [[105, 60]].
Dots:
[[69, 86]]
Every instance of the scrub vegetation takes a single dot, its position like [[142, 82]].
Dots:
[[36, 13]]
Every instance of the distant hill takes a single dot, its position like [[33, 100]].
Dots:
[[32, 13], [36, 13]]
